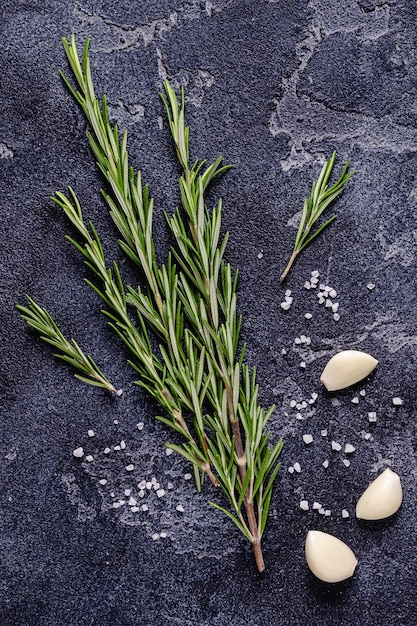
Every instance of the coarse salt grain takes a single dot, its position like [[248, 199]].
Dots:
[[315, 273], [142, 484], [307, 438], [317, 506], [349, 448], [355, 400], [308, 316], [134, 509], [304, 505], [122, 445], [91, 433], [140, 425], [370, 286], [346, 462], [293, 403], [336, 446], [323, 432], [362, 392], [170, 486], [297, 468], [155, 536], [179, 508], [128, 492], [303, 364], [326, 463], [132, 501], [397, 401], [163, 535], [102, 481], [169, 451], [78, 453], [144, 507], [372, 416], [160, 493], [291, 469], [307, 285], [299, 416], [106, 451], [345, 514], [130, 467], [187, 476], [336, 317], [285, 305], [89, 458]]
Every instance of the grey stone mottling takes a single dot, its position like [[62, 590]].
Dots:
[[274, 87]]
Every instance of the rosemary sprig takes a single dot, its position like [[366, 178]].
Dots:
[[320, 198], [69, 351], [197, 375]]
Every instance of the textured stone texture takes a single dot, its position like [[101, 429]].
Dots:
[[275, 87]]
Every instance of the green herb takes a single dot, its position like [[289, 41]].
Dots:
[[69, 351], [197, 374], [320, 199]]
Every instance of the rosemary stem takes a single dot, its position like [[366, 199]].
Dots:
[[290, 262]]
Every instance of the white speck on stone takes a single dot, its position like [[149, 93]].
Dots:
[[335, 307], [260, 255], [355, 400], [160, 493], [179, 508], [119, 392], [372, 416], [78, 453], [370, 286], [303, 365], [106, 451], [321, 299], [140, 425], [102, 481], [168, 451], [89, 458], [297, 341], [130, 467], [368, 437], [91, 433], [325, 463], [323, 432], [397, 401], [345, 513], [346, 462], [336, 446], [187, 476], [283, 351], [304, 505], [308, 316], [297, 467], [141, 493], [303, 404], [155, 536], [115, 422], [328, 304], [307, 438], [336, 317]]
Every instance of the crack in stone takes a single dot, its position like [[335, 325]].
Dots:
[[195, 83], [309, 122]]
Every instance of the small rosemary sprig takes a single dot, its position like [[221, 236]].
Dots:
[[198, 376], [320, 198], [69, 351]]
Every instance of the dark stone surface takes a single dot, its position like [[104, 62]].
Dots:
[[274, 87]]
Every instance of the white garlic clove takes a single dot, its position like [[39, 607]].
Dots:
[[382, 498], [347, 368], [329, 558]]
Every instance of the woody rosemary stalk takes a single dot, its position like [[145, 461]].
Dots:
[[189, 304]]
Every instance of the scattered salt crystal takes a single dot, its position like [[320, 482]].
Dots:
[[288, 293], [170, 486], [119, 392], [283, 351], [303, 404], [321, 511], [297, 341], [115, 422], [140, 425], [307, 438], [362, 392], [130, 467], [336, 446], [260, 255], [328, 304], [106, 451], [335, 307], [163, 535], [355, 400], [345, 514], [321, 300], [116, 447], [322, 286], [307, 285], [141, 493], [89, 458], [187, 476], [132, 501], [323, 432], [314, 395], [285, 305], [368, 436], [144, 507], [317, 505], [332, 293], [308, 316], [304, 505], [336, 317], [291, 470], [303, 364], [299, 416], [397, 401], [91, 433], [102, 481], [179, 508], [169, 451], [372, 416], [142, 484], [160, 493], [148, 485], [122, 445], [297, 468], [78, 453], [128, 492], [327, 512], [346, 462], [370, 286], [349, 448], [116, 505], [134, 509], [315, 273], [155, 536], [303, 339], [326, 463], [293, 403], [299, 406]]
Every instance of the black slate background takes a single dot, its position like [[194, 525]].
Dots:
[[275, 87]]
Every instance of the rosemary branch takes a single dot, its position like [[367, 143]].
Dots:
[[189, 304], [320, 199]]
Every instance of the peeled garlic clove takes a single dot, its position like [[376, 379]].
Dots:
[[382, 498], [347, 368], [329, 558]]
